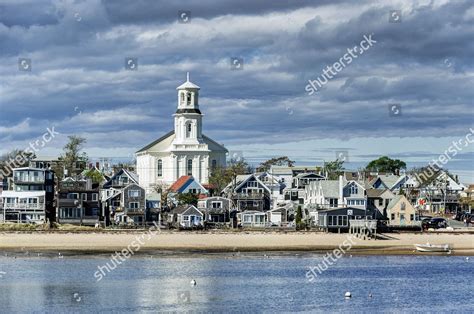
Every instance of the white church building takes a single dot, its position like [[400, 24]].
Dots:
[[183, 151]]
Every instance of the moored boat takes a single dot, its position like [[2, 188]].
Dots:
[[432, 247]]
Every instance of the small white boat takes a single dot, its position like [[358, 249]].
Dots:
[[433, 247]]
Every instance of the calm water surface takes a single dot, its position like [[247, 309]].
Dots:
[[244, 283]]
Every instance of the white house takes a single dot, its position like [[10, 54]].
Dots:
[[185, 151], [335, 194]]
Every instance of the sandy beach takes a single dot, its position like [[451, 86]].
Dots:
[[96, 243]]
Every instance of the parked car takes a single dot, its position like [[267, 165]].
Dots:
[[460, 216], [435, 223]]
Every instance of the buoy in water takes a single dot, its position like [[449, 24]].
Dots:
[[370, 295], [193, 282], [348, 295]]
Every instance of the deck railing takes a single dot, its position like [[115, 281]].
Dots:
[[19, 206]]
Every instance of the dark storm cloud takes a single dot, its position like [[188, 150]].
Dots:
[[163, 11], [29, 13]]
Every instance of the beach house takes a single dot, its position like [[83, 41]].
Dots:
[[31, 199]]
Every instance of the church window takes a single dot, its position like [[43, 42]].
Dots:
[[190, 167], [189, 98], [188, 130], [160, 168]]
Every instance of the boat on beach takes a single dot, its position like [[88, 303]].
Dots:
[[428, 247]]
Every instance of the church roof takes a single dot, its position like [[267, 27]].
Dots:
[[215, 146], [156, 141], [188, 84]]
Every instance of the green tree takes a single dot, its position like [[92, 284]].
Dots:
[[386, 164], [221, 176], [277, 161], [94, 175], [72, 155], [334, 169], [299, 215], [187, 198]]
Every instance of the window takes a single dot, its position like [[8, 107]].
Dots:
[[333, 202], [344, 220], [252, 184], [160, 168], [189, 98], [74, 196], [214, 163], [134, 193], [412, 217], [95, 197], [192, 191], [403, 206], [84, 196], [188, 130], [182, 98], [392, 217], [186, 218], [134, 205], [216, 204], [353, 189], [190, 167], [339, 221]]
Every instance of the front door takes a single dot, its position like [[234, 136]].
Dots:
[[402, 219]]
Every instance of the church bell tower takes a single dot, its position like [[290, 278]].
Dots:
[[188, 117]]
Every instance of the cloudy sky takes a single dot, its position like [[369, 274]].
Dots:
[[77, 81]]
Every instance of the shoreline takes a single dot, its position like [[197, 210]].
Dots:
[[199, 243]]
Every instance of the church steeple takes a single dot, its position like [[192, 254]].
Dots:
[[188, 118], [188, 96]]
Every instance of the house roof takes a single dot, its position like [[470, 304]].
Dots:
[[375, 192], [311, 174], [175, 187], [187, 210], [394, 201], [256, 179], [330, 188], [389, 180]]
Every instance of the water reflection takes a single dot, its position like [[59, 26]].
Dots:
[[247, 283]]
